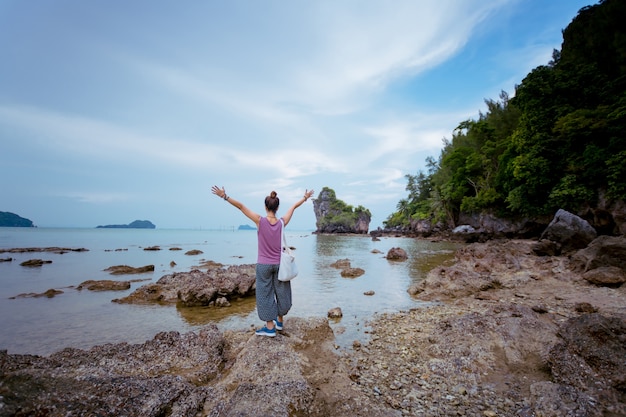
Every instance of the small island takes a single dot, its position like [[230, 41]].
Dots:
[[246, 227], [8, 219], [137, 224]]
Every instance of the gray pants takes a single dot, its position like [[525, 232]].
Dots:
[[273, 297]]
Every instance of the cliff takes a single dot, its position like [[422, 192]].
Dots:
[[334, 216]]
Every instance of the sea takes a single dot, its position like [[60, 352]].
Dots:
[[82, 318]]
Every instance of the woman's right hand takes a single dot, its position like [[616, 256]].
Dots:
[[220, 192]]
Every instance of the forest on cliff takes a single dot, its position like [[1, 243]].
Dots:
[[560, 142]]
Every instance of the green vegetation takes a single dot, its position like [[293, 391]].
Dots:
[[559, 143]]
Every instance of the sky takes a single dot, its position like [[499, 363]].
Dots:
[[114, 111]]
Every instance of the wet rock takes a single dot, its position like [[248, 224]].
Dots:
[[397, 254], [6, 259], [352, 272], [125, 269], [104, 285], [197, 288], [35, 262], [194, 252], [152, 248], [48, 294], [335, 313], [54, 249], [341, 264]]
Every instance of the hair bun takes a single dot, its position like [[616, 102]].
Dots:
[[273, 194]]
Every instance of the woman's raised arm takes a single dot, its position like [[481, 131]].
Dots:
[[289, 213], [221, 193]]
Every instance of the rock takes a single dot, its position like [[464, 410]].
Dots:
[[546, 247], [152, 248], [341, 264], [570, 231], [48, 294], [197, 288], [334, 216], [104, 285], [170, 372], [352, 272], [369, 293], [335, 313], [397, 254], [589, 363], [584, 307], [194, 252], [35, 262], [54, 249], [463, 229], [172, 264], [125, 269], [601, 252], [6, 259], [606, 275], [222, 302]]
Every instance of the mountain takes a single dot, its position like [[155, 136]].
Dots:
[[13, 220], [137, 224]]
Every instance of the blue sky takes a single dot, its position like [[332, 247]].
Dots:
[[112, 111]]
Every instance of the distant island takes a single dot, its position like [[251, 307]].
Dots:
[[246, 227], [137, 224], [13, 220]]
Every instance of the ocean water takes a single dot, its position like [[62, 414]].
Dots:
[[82, 319]]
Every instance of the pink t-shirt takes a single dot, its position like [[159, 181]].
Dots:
[[269, 242]]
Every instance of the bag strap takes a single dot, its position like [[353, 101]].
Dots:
[[282, 233]]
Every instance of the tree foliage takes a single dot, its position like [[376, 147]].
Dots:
[[558, 143]]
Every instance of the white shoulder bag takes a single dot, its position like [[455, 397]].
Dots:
[[287, 269]]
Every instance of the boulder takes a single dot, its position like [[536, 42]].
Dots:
[[397, 254], [352, 272], [606, 276], [341, 264], [335, 313], [197, 288], [601, 252], [570, 231]]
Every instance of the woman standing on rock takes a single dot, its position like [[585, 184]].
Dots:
[[273, 297]]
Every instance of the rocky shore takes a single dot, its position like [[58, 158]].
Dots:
[[509, 333]]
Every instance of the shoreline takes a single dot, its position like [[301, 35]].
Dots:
[[494, 343]]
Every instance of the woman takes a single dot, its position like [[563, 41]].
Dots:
[[273, 297]]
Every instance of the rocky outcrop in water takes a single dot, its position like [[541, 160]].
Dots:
[[197, 288], [334, 216]]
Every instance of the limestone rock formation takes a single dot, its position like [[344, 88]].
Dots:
[[334, 216]]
